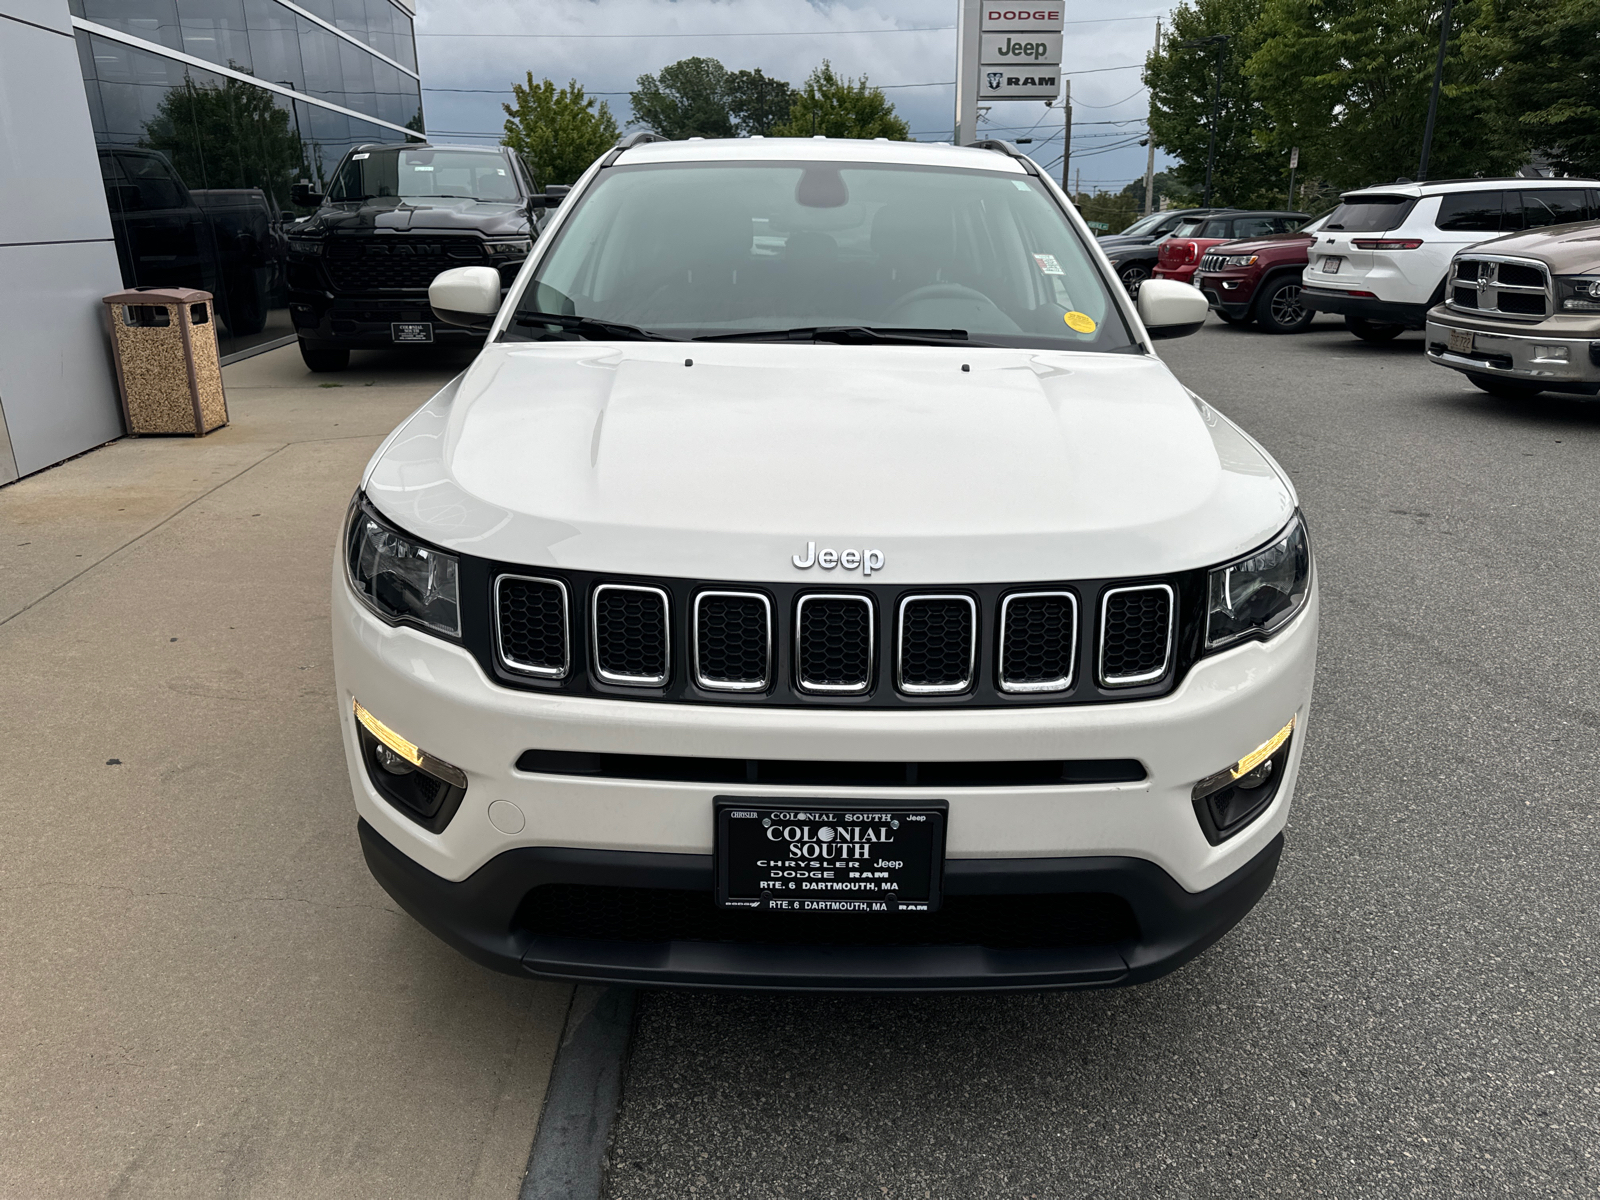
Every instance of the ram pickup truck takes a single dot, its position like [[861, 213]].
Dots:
[[394, 217], [1521, 314]]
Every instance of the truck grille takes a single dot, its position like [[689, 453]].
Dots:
[[884, 645], [1136, 634], [373, 264], [938, 644], [1500, 286], [834, 638], [630, 634]]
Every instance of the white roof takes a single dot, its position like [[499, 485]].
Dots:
[[820, 149], [1465, 185]]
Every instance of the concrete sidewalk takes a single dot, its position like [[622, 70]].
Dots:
[[202, 991]]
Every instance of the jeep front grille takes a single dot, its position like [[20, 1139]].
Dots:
[[834, 643], [1038, 641], [1136, 634], [938, 644], [1500, 286], [733, 641], [631, 642], [1211, 262], [531, 626]]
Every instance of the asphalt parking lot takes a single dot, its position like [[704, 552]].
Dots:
[[1413, 1010]]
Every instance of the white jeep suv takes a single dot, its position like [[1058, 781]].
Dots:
[[818, 581], [1380, 258]]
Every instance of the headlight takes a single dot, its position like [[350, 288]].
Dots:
[[1239, 260], [1258, 594], [304, 246], [516, 248], [401, 579], [1579, 293]]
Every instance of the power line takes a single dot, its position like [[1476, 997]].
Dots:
[[743, 33], [1124, 100], [629, 92]]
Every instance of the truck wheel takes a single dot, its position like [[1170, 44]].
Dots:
[[1132, 276], [1368, 331], [1278, 307], [1509, 389], [324, 358]]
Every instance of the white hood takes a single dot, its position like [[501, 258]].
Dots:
[[1033, 465]]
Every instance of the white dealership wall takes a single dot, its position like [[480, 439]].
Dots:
[[57, 392]]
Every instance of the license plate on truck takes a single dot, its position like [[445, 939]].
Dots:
[[411, 331], [1460, 341]]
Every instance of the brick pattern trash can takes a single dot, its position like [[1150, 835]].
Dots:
[[168, 370]]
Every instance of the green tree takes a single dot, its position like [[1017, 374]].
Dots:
[[835, 106], [1166, 187], [1348, 82], [757, 102], [558, 131], [689, 98], [1550, 82], [1109, 212], [227, 135], [1182, 79]]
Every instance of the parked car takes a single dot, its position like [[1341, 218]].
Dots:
[[1133, 251], [393, 218], [1259, 280], [226, 241], [1521, 313], [848, 716], [1179, 255], [1380, 260]]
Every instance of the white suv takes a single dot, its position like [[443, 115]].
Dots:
[[1380, 259], [818, 581]]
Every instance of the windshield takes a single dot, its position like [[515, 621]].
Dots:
[[425, 175], [1143, 225], [701, 250]]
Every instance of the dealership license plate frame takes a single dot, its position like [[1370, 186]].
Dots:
[[1460, 341], [1331, 263], [915, 886], [411, 333]]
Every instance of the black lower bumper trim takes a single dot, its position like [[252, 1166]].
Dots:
[[480, 917], [1367, 308]]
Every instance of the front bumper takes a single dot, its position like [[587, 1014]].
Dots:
[[485, 917], [1230, 294], [1555, 363], [1181, 274], [1366, 308], [366, 322]]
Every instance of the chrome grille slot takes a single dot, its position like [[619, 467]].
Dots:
[[1211, 262], [938, 644], [733, 641], [835, 643], [531, 626], [630, 634], [1489, 284], [1038, 641], [1136, 625]]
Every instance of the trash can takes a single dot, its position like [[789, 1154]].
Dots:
[[168, 371]]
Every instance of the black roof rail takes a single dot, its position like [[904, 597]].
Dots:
[[638, 137], [1006, 148]]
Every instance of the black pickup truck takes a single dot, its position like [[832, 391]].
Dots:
[[392, 219]]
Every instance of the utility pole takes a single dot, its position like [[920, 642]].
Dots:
[[1219, 40], [1150, 161], [1078, 191], [968, 21], [1066, 145], [1433, 98]]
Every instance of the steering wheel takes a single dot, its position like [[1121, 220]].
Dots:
[[937, 291]]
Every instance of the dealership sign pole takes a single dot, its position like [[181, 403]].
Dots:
[[1005, 52]]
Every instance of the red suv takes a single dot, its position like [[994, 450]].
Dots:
[[1181, 253], [1259, 280]]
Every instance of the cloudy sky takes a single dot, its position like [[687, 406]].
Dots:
[[470, 49]]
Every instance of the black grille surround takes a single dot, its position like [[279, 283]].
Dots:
[[479, 619], [938, 644], [732, 641], [835, 643], [1137, 643], [371, 263], [630, 641], [531, 625]]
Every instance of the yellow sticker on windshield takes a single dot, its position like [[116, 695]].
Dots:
[[1082, 322]]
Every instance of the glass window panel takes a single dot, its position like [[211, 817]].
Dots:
[[1553, 206], [1470, 212], [381, 27], [274, 43], [360, 88], [320, 8], [153, 20], [319, 54], [215, 31], [351, 16]]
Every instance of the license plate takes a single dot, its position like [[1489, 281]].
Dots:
[[411, 331], [1460, 341], [829, 856], [1332, 263]]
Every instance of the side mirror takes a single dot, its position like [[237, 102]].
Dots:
[[1170, 309], [466, 296], [550, 197], [302, 195]]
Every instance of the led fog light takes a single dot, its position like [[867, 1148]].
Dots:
[[1226, 802], [424, 788]]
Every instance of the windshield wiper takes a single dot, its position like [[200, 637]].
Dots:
[[851, 335], [593, 327]]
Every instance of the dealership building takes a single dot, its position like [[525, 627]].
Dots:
[[154, 143]]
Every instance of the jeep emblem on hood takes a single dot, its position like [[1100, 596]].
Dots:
[[867, 561]]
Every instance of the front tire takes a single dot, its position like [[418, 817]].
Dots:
[[1279, 310], [1506, 389], [324, 358], [1369, 331]]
